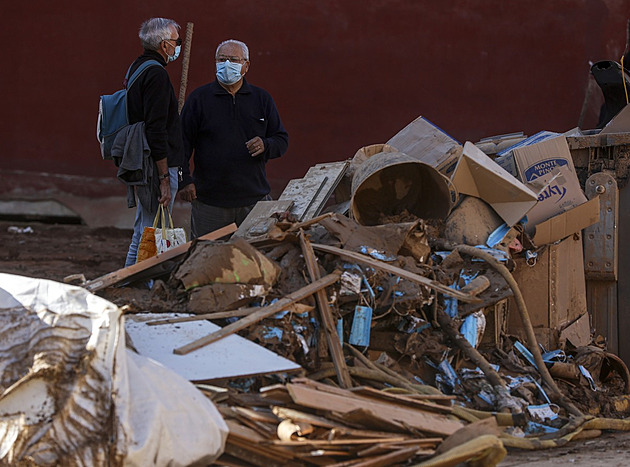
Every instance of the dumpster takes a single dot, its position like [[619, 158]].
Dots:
[[602, 164]]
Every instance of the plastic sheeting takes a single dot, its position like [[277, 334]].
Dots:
[[72, 394]]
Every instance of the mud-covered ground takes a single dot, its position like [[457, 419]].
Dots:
[[55, 251], [58, 251]]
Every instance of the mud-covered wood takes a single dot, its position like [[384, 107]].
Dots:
[[261, 314], [332, 338], [130, 273]]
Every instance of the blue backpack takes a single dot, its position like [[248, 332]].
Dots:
[[112, 112]]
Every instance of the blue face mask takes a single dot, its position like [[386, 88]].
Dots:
[[228, 72], [172, 58]]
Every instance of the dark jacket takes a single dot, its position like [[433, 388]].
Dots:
[[216, 127], [152, 100]]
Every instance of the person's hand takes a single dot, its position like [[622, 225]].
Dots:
[[255, 146], [165, 192], [188, 193]]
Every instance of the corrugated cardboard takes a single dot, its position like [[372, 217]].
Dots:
[[478, 175], [619, 124], [427, 143], [537, 165], [554, 290], [567, 223]]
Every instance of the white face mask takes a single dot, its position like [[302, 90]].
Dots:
[[229, 73], [172, 58]]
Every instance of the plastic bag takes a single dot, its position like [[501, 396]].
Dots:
[[158, 240]]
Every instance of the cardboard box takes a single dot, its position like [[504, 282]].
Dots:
[[476, 174], [567, 223], [427, 143], [505, 158], [546, 166], [619, 124], [554, 290]]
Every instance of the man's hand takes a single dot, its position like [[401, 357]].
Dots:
[[165, 192], [255, 146], [188, 193]]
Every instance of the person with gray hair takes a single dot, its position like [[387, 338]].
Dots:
[[152, 100], [232, 129]]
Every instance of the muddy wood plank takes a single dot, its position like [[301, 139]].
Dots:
[[352, 256], [260, 219], [245, 436], [310, 193], [145, 266], [334, 442], [295, 308], [400, 399], [422, 420], [263, 313], [384, 460], [339, 428], [332, 338]]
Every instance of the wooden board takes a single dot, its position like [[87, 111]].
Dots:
[[229, 358], [327, 320], [351, 255], [130, 273], [411, 417], [309, 194], [258, 222]]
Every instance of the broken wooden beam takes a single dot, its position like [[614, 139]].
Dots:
[[352, 256], [332, 338], [130, 272], [263, 313]]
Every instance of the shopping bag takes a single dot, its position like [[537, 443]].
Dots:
[[147, 247], [158, 240], [168, 236]]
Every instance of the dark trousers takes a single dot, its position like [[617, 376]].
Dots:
[[205, 218]]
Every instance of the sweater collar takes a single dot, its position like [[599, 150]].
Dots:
[[245, 88], [154, 55]]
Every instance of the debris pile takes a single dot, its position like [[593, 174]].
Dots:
[[436, 309], [423, 302]]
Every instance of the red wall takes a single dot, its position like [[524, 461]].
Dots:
[[344, 74]]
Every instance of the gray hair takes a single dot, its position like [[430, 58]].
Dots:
[[242, 45], [155, 30]]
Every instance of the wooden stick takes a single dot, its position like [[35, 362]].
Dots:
[[330, 330], [314, 220], [261, 314], [222, 314], [185, 63], [369, 261], [143, 266]]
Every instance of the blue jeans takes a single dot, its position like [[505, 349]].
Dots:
[[144, 218]]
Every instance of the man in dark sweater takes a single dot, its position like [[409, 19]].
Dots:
[[152, 100], [233, 129]]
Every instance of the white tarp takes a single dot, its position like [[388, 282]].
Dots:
[[72, 394]]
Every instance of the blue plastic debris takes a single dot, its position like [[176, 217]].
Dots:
[[542, 412], [447, 377], [272, 332], [361, 324], [376, 254], [533, 428], [499, 234], [588, 377], [340, 330], [470, 328], [554, 356], [525, 353]]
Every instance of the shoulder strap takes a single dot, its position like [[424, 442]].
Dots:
[[139, 70]]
